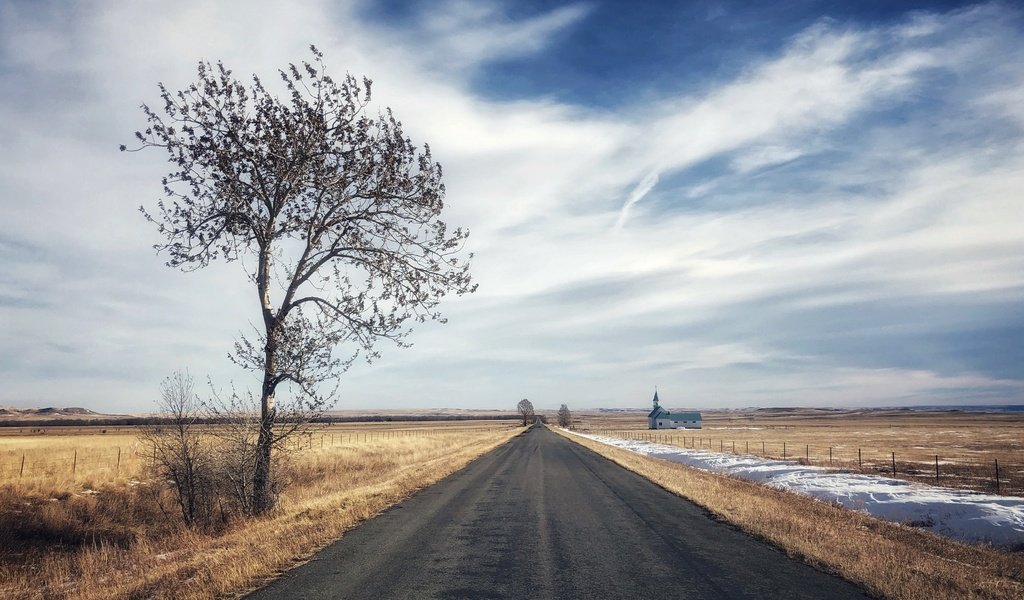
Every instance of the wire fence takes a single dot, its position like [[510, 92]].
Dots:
[[992, 474], [128, 459], [68, 463]]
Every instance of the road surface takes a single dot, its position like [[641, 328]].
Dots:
[[542, 517]]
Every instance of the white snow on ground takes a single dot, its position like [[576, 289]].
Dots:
[[959, 514]]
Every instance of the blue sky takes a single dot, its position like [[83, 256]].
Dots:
[[802, 203]]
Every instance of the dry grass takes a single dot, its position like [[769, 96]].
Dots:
[[890, 561], [966, 444], [101, 533]]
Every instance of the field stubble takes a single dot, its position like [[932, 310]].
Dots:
[[965, 446], [76, 523]]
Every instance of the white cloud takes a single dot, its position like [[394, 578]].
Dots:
[[693, 293], [462, 33], [642, 189]]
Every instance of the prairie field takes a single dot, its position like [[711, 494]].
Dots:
[[80, 516], [963, 448]]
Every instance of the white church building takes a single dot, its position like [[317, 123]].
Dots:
[[659, 418]]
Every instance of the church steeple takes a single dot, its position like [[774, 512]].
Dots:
[[655, 396]]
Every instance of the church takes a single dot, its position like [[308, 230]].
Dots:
[[659, 418]]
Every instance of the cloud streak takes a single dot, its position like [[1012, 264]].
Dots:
[[642, 189], [838, 223]]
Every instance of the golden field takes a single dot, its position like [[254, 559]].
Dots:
[[966, 445], [889, 560], [76, 523]]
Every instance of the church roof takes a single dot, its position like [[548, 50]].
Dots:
[[657, 411], [660, 413], [686, 416]]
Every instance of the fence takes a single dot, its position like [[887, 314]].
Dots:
[[127, 459], [991, 475], [68, 463]]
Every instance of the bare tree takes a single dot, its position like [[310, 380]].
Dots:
[[525, 408], [564, 416], [338, 211], [237, 435], [178, 450]]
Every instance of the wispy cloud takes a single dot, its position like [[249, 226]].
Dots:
[[641, 190], [836, 224]]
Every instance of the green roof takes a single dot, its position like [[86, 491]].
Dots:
[[687, 416]]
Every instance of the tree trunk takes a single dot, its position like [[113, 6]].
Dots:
[[262, 496]]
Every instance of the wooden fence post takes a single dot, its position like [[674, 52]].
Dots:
[[763, 453], [21, 473], [783, 450], [936, 467], [997, 475], [74, 463], [118, 469], [860, 460], [807, 452], [893, 464], [830, 455]]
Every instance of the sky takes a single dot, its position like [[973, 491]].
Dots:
[[796, 204]]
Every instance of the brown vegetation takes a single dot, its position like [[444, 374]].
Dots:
[[108, 532], [966, 446], [889, 560]]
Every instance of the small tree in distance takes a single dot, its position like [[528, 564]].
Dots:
[[564, 416], [525, 408], [337, 211]]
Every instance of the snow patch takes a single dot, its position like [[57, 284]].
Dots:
[[959, 514]]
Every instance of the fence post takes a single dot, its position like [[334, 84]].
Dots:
[[936, 467], [860, 460], [830, 455], [783, 450], [734, 447], [997, 475], [807, 452], [74, 463], [21, 473], [763, 453], [893, 464], [118, 470]]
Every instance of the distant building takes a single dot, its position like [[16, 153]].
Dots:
[[659, 418]]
